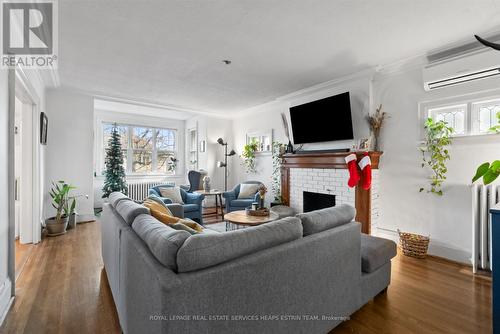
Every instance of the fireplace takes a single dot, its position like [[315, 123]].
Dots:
[[316, 201]]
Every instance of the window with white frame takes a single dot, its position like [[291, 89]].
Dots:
[[468, 118], [146, 150]]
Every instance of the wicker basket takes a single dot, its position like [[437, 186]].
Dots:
[[413, 245], [258, 212]]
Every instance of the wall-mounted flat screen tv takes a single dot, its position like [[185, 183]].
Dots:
[[328, 119]]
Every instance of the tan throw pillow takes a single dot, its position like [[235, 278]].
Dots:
[[173, 193], [248, 190]]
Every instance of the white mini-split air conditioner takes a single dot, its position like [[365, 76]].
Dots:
[[463, 69]]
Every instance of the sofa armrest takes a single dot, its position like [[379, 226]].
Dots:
[[229, 195], [176, 209], [194, 198]]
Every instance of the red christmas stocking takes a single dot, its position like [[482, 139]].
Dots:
[[354, 177], [366, 172]]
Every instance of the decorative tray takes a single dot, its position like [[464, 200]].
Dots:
[[258, 212]]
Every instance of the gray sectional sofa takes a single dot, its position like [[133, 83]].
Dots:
[[302, 274]]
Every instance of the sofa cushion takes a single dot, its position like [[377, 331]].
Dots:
[[116, 197], [248, 190], [162, 240], [321, 220], [206, 250], [129, 210], [375, 252], [172, 193]]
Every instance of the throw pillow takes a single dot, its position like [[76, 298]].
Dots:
[[172, 193], [158, 204], [192, 224], [248, 190]]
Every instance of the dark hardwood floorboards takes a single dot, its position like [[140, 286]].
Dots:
[[63, 289]]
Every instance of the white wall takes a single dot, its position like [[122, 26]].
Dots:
[[5, 283], [446, 219], [70, 145], [210, 129], [269, 117]]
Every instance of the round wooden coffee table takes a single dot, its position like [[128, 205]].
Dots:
[[239, 219]]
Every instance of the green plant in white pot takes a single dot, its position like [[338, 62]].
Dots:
[[59, 193], [489, 172]]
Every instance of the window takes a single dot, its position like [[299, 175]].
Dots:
[[468, 118], [149, 150]]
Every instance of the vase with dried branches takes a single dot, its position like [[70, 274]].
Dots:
[[376, 121]]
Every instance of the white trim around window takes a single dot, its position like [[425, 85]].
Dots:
[[471, 115], [133, 120]]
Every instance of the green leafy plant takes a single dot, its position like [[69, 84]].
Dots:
[[278, 148], [60, 197], [248, 156], [435, 153], [115, 173], [489, 172]]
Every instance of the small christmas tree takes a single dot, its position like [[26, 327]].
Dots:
[[115, 174]]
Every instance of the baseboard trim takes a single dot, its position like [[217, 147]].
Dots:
[[436, 248], [5, 299]]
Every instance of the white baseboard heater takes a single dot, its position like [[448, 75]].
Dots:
[[483, 198], [138, 190]]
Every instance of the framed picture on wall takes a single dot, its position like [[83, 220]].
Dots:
[[44, 124]]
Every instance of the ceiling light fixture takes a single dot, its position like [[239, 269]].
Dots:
[[227, 62]]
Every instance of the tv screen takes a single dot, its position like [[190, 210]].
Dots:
[[327, 119]]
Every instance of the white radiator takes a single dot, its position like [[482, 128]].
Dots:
[[483, 198], [139, 190]]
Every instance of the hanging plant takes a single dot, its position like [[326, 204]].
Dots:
[[435, 153], [489, 172], [278, 149], [248, 156]]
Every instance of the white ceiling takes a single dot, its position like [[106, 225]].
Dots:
[[171, 52]]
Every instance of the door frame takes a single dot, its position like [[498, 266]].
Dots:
[[25, 92]]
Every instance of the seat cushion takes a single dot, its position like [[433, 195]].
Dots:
[[116, 197], [209, 249], [129, 210], [243, 203], [162, 240], [376, 252], [321, 220], [190, 207]]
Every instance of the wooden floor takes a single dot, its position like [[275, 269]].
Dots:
[[23, 252], [63, 289]]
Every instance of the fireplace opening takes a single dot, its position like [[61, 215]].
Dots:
[[316, 201]]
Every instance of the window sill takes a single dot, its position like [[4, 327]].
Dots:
[[145, 176]]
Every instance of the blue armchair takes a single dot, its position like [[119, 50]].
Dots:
[[192, 202], [235, 204]]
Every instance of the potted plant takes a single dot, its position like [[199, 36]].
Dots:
[[172, 164], [278, 149], [435, 154], [248, 156], [59, 193]]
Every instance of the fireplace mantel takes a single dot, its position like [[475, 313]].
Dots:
[[326, 161]]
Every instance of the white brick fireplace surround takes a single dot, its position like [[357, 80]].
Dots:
[[325, 172], [332, 182]]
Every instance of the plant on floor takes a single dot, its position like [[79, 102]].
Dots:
[[489, 171], [59, 194], [115, 173], [435, 153], [248, 156], [278, 149]]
